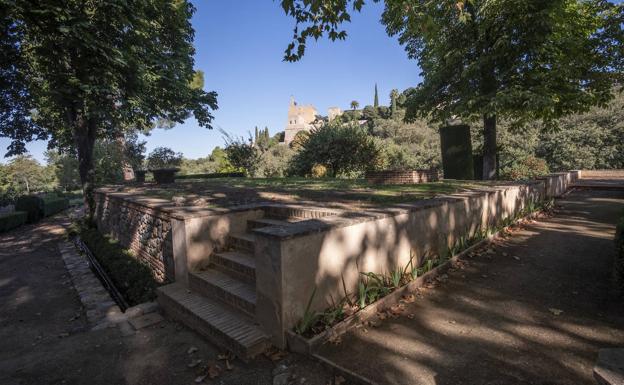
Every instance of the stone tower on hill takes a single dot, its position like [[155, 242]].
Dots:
[[304, 118]]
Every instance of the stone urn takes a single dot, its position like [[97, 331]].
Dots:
[[139, 176], [164, 175]]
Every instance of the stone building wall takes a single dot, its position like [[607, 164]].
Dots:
[[143, 230], [402, 177]]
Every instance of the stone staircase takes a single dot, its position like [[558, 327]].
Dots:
[[220, 301]]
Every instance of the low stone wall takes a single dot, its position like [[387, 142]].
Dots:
[[317, 256], [145, 231], [602, 174], [556, 184], [402, 177]]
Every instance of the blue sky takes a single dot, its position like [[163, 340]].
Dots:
[[240, 47]]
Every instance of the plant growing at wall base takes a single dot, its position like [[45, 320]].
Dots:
[[309, 317]]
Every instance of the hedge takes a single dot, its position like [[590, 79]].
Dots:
[[212, 175], [618, 268], [132, 278], [12, 220], [53, 205], [32, 205], [38, 207]]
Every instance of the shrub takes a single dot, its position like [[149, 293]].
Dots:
[[344, 149], [212, 175], [618, 268], [12, 220], [32, 205], [525, 168], [52, 205], [132, 278], [163, 157], [319, 171]]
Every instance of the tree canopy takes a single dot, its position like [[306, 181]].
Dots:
[[86, 70]]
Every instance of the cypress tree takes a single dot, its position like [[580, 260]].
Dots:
[[376, 102]]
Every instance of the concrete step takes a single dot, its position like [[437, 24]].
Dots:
[[238, 264], [298, 212], [215, 284], [266, 222], [217, 322], [243, 242]]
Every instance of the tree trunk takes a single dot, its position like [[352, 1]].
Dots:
[[84, 140], [489, 147]]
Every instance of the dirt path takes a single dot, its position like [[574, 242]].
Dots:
[[41, 341], [535, 311]]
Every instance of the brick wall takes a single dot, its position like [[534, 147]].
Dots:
[[146, 232], [402, 177]]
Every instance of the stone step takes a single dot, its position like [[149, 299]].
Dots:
[[266, 222], [295, 212], [243, 242], [215, 284], [219, 323], [238, 264]]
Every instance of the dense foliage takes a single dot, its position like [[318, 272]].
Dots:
[[344, 149], [164, 157], [133, 279]]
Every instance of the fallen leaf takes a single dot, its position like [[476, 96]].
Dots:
[[516, 258], [194, 363], [409, 298], [339, 380], [555, 311], [200, 379], [213, 371], [191, 350], [225, 356], [228, 366]]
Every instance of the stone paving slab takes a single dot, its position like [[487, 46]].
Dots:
[[609, 369]]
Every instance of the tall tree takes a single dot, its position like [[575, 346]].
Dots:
[[355, 105], [87, 70], [491, 59], [376, 101], [394, 95]]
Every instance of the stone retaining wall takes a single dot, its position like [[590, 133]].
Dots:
[[402, 177], [143, 230], [602, 174]]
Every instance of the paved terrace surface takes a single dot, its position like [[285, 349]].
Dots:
[[45, 337], [534, 310]]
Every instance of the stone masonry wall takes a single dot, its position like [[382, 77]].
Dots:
[[402, 177], [146, 232]]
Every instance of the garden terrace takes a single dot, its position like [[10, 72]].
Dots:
[[244, 256], [351, 193]]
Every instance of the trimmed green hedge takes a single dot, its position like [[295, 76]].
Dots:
[[12, 220], [38, 207], [618, 268], [53, 205], [212, 175], [133, 279]]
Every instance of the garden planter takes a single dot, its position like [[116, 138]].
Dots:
[[164, 175]]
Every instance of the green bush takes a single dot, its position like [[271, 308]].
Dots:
[[53, 205], [32, 205], [618, 268], [12, 220], [38, 207], [133, 279], [529, 167], [212, 175]]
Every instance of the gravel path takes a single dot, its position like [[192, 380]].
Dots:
[[534, 310]]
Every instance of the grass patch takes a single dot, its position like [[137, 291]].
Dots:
[[132, 278]]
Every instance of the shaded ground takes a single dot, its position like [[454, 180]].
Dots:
[[535, 310], [337, 192], [43, 343]]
